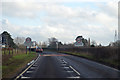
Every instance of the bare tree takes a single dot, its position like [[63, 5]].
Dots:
[[44, 45], [19, 40], [93, 43], [53, 42]]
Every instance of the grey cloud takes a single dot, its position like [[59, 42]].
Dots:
[[110, 8], [61, 21]]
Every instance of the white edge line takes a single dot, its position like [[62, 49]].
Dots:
[[104, 65], [75, 70], [26, 69], [109, 67]]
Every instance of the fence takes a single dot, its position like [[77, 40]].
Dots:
[[11, 51]]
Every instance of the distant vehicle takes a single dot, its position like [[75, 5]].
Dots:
[[39, 50]]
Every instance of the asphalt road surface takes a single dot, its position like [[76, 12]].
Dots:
[[58, 65]]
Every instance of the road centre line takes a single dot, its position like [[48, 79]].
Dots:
[[74, 70]]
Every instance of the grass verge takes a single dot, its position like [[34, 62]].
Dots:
[[12, 66], [107, 61]]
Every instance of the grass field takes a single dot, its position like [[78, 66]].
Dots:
[[15, 63]]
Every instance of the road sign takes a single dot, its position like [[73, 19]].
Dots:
[[78, 42], [28, 39], [28, 42]]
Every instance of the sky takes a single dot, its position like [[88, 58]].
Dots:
[[63, 19]]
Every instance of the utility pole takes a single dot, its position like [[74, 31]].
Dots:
[[115, 37]]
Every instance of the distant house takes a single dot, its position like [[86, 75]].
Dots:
[[4, 39], [78, 42], [7, 41], [115, 44]]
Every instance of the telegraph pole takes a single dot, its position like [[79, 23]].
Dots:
[[115, 37]]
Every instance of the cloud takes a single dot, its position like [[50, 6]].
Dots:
[[20, 10], [62, 21], [59, 1], [110, 8]]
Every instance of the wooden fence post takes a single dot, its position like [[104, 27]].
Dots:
[[26, 49], [17, 50], [4, 51], [9, 50], [12, 51]]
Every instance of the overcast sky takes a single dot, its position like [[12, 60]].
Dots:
[[64, 19]]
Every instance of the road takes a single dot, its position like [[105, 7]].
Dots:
[[58, 65]]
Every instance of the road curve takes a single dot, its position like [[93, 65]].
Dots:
[[58, 65]]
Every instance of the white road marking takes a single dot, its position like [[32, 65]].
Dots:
[[65, 67], [32, 61], [74, 70], [33, 68], [65, 61], [23, 72], [35, 65], [25, 77], [29, 71], [70, 71], [28, 64], [109, 67], [74, 77], [26, 69]]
